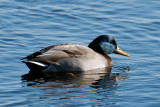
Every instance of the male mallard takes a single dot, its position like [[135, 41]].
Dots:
[[73, 57]]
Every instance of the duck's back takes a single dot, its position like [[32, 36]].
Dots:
[[53, 53]]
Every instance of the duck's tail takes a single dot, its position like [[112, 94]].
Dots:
[[33, 65]]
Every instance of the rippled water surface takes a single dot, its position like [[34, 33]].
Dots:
[[29, 25]]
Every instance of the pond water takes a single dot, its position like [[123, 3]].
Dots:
[[29, 25]]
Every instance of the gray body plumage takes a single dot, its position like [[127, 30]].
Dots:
[[66, 57]]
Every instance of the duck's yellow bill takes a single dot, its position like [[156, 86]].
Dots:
[[119, 51]]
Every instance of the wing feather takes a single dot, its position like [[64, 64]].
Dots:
[[54, 53]]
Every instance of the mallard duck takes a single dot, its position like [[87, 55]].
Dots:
[[74, 57]]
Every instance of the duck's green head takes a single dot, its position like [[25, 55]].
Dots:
[[106, 44]]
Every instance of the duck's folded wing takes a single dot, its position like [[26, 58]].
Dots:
[[54, 53]]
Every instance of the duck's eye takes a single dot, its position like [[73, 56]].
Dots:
[[107, 47]]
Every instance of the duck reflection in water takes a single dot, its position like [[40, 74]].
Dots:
[[99, 78]]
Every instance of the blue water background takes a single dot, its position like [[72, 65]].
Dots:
[[29, 25]]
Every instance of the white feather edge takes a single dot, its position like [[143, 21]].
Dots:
[[38, 63]]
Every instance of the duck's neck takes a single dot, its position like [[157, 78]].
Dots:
[[96, 47], [109, 60]]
